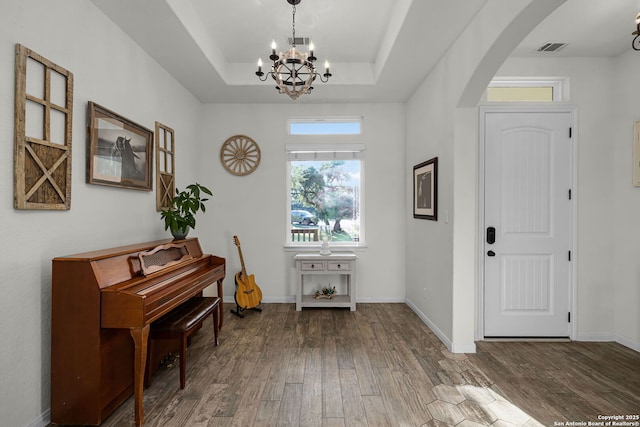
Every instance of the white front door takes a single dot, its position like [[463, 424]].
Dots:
[[527, 223]]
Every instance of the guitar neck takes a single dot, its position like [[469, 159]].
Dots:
[[244, 271]]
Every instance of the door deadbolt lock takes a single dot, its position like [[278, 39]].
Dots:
[[491, 235]]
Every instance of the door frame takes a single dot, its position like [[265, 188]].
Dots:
[[483, 111]]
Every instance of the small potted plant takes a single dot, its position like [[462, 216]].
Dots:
[[180, 216]]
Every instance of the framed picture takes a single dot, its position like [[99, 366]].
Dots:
[[120, 151], [425, 190], [636, 154]]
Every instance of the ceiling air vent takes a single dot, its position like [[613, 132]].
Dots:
[[551, 47], [300, 41]]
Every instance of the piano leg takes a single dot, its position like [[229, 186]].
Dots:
[[140, 338]]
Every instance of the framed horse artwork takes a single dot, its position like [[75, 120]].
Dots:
[[120, 151]]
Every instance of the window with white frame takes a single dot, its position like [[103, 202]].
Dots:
[[325, 187], [525, 90], [325, 126]]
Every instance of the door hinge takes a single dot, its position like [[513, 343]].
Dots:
[[569, 255], [569, 317], [569, 194], [570, 132]]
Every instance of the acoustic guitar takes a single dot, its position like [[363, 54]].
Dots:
[[248, 294]]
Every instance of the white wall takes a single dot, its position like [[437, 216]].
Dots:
[[626, 199], [112, 71], [441, 262], [254, 206]]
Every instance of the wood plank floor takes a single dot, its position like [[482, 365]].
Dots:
[[381, 366]]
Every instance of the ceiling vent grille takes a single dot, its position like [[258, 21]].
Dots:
[[551, 47], [300, 41]]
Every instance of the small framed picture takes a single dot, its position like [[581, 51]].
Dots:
[[425, 190], [120, 151]]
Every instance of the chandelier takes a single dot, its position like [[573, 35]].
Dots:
[[636, 40], [293, 71]]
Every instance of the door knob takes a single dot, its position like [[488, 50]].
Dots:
[[491, 253]]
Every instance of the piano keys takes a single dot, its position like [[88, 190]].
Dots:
[[102, 305]]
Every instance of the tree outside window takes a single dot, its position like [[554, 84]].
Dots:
[[325, 195]]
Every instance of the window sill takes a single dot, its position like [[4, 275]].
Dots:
[[316, 248]]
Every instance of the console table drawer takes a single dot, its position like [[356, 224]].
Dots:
[[339, 266], [312, 265]]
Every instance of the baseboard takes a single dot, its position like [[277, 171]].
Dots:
[[380, 300], [277, 300], [596, 337], [229, 299], [627, 342], [42, 421], [606, 337], [453, 348]]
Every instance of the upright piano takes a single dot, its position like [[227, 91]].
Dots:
[[102, 305]]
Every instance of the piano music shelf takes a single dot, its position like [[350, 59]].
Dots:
[[313, 268]]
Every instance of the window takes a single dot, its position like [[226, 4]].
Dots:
[[326, 126], [325, 187], [525, 90]]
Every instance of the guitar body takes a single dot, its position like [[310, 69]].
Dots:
[[248, 294]]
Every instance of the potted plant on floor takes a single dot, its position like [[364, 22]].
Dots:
[[180, 217]]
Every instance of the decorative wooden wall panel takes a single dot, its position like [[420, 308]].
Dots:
[[165, 166], [43, 125]]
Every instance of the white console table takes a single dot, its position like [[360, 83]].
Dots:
[[314, 266]]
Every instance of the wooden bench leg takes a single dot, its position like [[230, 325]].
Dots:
[[183, 361], [216, 325]]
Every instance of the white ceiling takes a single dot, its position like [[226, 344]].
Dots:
[[379, 50]]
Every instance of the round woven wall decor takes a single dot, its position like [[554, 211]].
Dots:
[[240, 155]]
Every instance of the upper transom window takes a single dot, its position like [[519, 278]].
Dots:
[[326, 126], [503, 90]]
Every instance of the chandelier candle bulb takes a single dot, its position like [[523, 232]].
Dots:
[[259, 65], [311, 57], [273, 56]]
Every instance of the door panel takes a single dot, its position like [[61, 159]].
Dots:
[[527, 182]]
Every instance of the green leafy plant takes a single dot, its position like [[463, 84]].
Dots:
[[184, 206]]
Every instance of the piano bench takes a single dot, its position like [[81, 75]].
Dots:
[[178, 326]]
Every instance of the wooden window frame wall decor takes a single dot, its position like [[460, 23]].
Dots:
[[120, 152], [165, 166], [43, 133], [425, 201]]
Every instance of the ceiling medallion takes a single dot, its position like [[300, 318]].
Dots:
[[240, 155], [293, 71]]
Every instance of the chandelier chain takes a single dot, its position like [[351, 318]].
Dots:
[[293, 41]]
